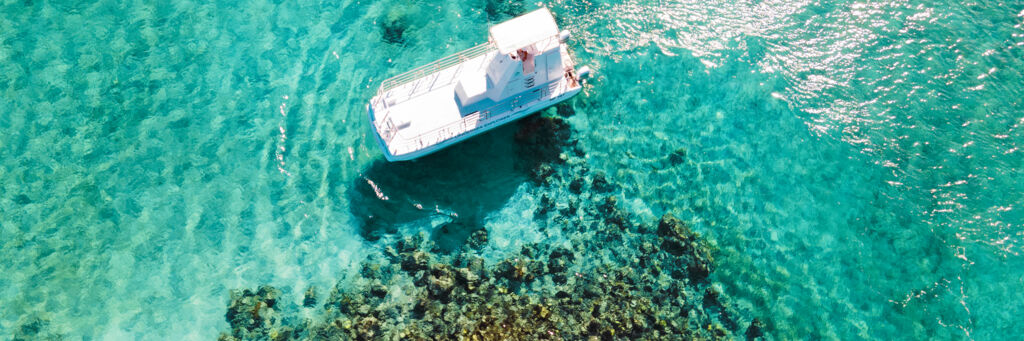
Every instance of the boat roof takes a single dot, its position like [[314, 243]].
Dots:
[[524, 30]]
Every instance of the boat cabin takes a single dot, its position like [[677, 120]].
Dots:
[[528, 55], [524, 67]]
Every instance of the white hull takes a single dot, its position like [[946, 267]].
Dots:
[[513, 75], [456, 137]]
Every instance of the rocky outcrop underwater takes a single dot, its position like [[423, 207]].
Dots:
[[618, 277]]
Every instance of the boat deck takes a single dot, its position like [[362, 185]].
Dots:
[[406, 127], [435, 91]]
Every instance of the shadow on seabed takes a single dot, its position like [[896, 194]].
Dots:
[[461, 184]]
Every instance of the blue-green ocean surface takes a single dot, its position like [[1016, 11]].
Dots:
[[857, 163]]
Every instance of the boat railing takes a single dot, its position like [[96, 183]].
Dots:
[[435, 66], [547, 43], [477, 120]]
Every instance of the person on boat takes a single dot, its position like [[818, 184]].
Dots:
[[525, 57], [522, 54]]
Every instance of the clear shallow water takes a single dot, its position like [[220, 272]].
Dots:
[[857, 164]]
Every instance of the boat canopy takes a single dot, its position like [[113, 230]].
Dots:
[[524, 30]]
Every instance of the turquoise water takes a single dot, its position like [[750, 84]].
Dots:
[[858, 164]]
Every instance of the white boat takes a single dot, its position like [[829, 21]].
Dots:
[[524, 67]]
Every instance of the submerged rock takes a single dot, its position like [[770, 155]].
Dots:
[[677, 157], [755, 330], [498, 9], [35, 328], [609, 205], [310, 298], [545, 205], [559, 260], [539, 141], [600, 183], [612, 215], [679, 240], [477, 239], [576, 186], [252, 315], [541, 173], [378, 290], [392, 29], [441, 282], [415, 261], [565, 109], [468, 279], [367, 328]]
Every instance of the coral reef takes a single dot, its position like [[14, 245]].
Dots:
[[413, 293], [617, 278], [252, 315]]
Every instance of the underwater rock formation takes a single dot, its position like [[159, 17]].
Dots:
[[543, 293]]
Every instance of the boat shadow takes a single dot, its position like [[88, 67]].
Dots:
[[451, 192]]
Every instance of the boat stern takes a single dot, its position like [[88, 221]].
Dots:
[[375, 126]]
